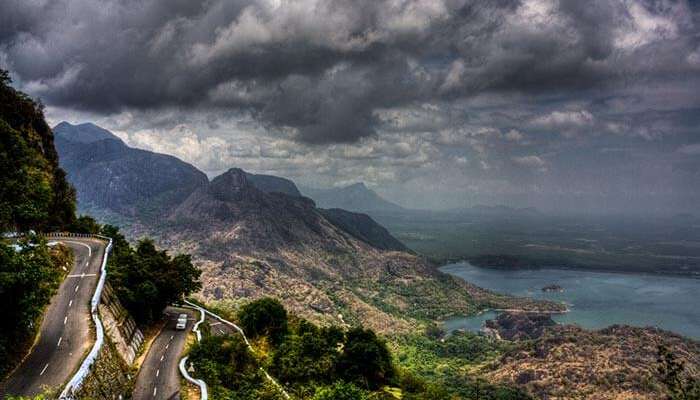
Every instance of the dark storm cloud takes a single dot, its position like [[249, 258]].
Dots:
[[323, 68]]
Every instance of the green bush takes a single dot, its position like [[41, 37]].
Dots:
[[365, 359], [341, 391], [264, 317]]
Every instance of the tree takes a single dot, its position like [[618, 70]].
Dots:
[[366, 359], [34, 193], [265, 316], [308, 355], [85, 224], [146, 279], [679, 385], [227, 365], [340, 391]]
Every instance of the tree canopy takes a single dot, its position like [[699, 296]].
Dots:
[[34, 193], [146, 279]]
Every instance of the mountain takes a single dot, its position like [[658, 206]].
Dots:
[[112, 177], [34, 193], [82, 133], [363, 227], [253, 235], [250, 243], [356, 197], [269, 184]]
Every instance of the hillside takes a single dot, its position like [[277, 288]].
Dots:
[[270, 184], [251, 244], [34, 193], [111, 177], [356, 197], [565, 361], [363, 227]]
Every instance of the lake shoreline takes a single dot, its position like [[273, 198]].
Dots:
[[593, 299]]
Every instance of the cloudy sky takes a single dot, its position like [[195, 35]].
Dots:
[[563, 105]]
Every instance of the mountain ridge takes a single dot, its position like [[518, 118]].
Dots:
[[356, 197]]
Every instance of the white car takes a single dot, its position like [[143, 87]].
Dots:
[[181, 322]]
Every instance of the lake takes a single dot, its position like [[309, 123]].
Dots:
[[596, 299]]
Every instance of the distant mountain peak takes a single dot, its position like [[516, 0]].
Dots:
[[355, 197], [82, 133]]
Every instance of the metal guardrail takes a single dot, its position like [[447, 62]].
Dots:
[[204, 395], [245, 339], [77, 380]]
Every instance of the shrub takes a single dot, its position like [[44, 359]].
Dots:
[[265, 316]]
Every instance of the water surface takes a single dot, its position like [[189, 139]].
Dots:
[[596, 299]]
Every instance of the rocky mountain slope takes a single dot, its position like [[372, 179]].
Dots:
[[363, 227], [356, 197], [251, 239], [111, 177], [567, 362], [270, 184]]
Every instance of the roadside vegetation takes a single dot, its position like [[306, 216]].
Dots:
[[34, 193], [319, 363], [145, 279]]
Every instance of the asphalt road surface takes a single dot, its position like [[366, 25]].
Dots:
[[66, 330], [159, 376]]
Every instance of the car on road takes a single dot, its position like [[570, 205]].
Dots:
[[181, 322]]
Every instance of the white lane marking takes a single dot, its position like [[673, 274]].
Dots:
[[81, 275], [157, 373], [222, 331], [76, 288], [59, 341], [81, 244], [162, 357], [43, 370], [70, 303], [166, 346], [171, 337], [155, 390], [65, 320]]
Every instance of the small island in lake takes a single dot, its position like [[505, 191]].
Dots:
[[553, 288]]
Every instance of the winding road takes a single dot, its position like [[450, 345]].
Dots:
[[66, 330], [159, 377]]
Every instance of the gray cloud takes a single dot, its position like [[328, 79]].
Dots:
[[505, 95]]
